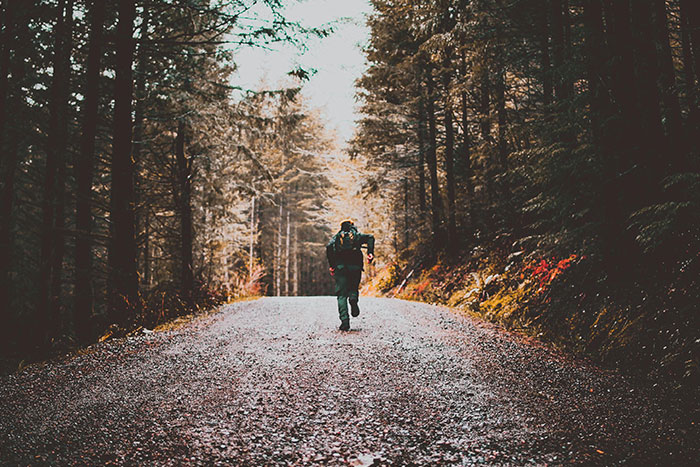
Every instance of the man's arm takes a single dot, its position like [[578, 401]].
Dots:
[[330, 253], [368, 239]]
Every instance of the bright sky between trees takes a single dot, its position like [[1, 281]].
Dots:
[[337, 59]]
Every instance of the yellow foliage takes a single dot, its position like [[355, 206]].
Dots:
[[503, 303]]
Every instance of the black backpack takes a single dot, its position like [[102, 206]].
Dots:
[[347, 240]]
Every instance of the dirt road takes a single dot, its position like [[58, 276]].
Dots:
[[273, 382]]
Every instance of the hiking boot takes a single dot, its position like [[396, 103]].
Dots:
[[355, 308], [345, 325]]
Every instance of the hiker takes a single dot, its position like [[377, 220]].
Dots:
[[345, 260]]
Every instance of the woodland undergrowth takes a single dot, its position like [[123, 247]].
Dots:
[[641, 323]]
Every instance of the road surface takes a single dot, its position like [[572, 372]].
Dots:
[[272, 381]]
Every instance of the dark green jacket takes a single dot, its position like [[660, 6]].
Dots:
[[351, 259]]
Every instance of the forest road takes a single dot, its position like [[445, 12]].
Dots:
[[272, 381]]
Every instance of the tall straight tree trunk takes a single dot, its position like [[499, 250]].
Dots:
[[84, 168], [184, 168], [653, 138], [6, 205], [140, 208], [558, 49], [667, 79], [466, 147], [252, 237], [54, 178], [6, 51], [435, 200], [604, 139], [405, 213], [8, 164], [59, 238], [567, 75], [295, 290], [485, 101], [278, 257], [147, 248], [124, 277], [691, 11], [545, 59], [595, 68], [452, 241], [421, 159], [690, 76], [500, 98], [626, 125], [286, 260], [13, 144]]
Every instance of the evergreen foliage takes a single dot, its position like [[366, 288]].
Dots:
[[129, 161], [543, 128]]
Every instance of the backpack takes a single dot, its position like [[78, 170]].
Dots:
[[347, 240]]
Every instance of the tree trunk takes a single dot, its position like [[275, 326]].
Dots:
[[84, 168], [252, 237], [184, 168], [545, 60], [605, 131], [405, 214], [596, 73], [7, 45], [8, 164], [421, 160], [691, 11], [60, 215], [286, 261], [626, 126], [296, 262], [484, 101], [652, 135], [432, 167], [452, 241], [466, 148], [500, 98], [622, 70], [124, 277], [667, 79], [6, 204], [54, 179], [278, 257], [147, 248], [558, 49], [140, 208], [567, 75], [690, 77]]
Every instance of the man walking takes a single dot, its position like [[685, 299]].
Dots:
[[345, 260]]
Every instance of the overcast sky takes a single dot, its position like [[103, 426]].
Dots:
[[338, 60]]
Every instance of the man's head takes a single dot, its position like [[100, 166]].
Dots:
[[347, 224]]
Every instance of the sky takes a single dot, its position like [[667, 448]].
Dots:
[[338, 59]]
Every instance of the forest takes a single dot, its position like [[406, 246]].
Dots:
[[540, 162], [138, 183], [532, 162]]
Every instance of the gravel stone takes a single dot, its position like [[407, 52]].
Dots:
[[273, 382]]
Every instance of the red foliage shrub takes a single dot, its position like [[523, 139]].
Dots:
[[545, 271], [420, 288]]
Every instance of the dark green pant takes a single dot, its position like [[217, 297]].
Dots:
[[347, 281]]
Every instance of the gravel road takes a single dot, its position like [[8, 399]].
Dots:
[[272, 381]]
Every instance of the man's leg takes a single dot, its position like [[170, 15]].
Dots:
[[353, 290], [341, 292]]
